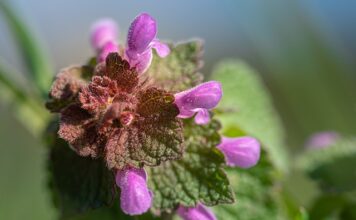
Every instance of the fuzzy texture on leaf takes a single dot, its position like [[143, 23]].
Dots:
[[66, 86], [180, 69], [247, 105], [122, 118], [79, 183], [196, 178], [255, 190]]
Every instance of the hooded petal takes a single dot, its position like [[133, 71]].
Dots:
[[243, 152], [199, 212], [140, 61], [202, 117], [135, 197], [204, 96], [161, 48], [141, 33], [102, 32]]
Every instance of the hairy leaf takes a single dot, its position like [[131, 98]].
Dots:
[[198, 177], [66, 87], [179, 70], [333, 167], [117, 117], [254, 190], [79, 184], [246, 104]]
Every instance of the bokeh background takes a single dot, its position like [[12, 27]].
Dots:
[[304, 50]]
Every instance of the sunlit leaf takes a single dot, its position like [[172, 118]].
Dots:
[[247, 106]]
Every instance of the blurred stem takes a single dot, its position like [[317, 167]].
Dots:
[[28, 110], [36, 61]]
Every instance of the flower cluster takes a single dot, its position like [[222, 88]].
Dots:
[[114, 112]]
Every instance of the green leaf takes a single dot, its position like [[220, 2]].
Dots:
[[27, 109], [327, 206], [36, 61], [333, 167], [112, 213], [79, 184], [247, 106], [179, 70], [254, 191], [198, 177]]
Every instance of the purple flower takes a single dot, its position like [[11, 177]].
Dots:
[[199, 100], [140, 41], [199, 212], [135, 197], [109, 47], [322, 139], [243, 152], [102, 32], [104, 36]]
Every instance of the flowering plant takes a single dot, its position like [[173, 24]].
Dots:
[[135, 121], [137, 133]]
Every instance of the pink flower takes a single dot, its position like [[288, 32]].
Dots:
[[200, 212], [104, 35], [140, 41], [199, 100], [135, 197], [243, 152]]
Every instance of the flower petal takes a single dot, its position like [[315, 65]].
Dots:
[[102, 32], [196, 213], [161, 48], [140, 61], [202, 117], [243, 152], [141, 33], [110, 47], [204, 96], [135, 197]]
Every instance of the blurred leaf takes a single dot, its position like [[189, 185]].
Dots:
[[36, 61], [254, 189], [327, 207], [247, 106], [79, 184], [28, 110], [179, 70], [198, 177], [111, 213], [333, 167]]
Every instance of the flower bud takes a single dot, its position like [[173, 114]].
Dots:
[[135, 197], [102, 32], [243, 152]]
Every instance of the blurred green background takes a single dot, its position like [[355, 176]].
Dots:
[[304, 50]]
